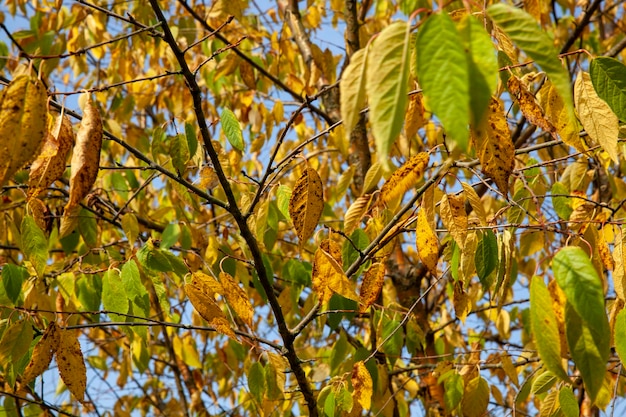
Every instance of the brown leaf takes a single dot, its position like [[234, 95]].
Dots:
[[372, 285], [237, 298], [50, 164], [404, 177], [23, 123], [306, 203], [528, 105], [43, 352], [71, 363]]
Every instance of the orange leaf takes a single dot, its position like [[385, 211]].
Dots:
[[43, 352], [528, 105], [306, 203], [372, 285], [71, 364], [237, 298], [208, 309], [404, 177], [427, 242]]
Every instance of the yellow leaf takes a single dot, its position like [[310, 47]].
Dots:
[[373, 175], [85, 158], [604, 251], [306, 203], [237, 298], [372, 285], [328, 276], [71, 363], [558, 114], [475, 202], [363, 385], [23, 123], [494, 147], [461, 301], [528, 105], [43, 352], [208, 178], [414, 119], [208, 309], [352, 88], [50, 164], [355, 213], [468, 253], [404, 177], [597, 118], [427, 242], [39, 211], [452, 210], [558, 305], [619, 272]]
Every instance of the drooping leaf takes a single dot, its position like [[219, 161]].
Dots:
[[256, 381], [426, 242], [543, 383], [208, 309], [306, 203], [442, 68], [404, 177], [619, 258], [608, 77], [352, 89], [486, 257], [550, 405], [232, 129], [475, 202], [452, 209], [71, 363], [43, 352], [558, 115], [237, 298], [545, 328], [619, 334], [363, 385], [179, 150], [114, 296], [415, 117], [528, 105], [568, 402], [476, 397], [15, 342], [562, 205], [387, 85], [34, 245], [328, 276], [537, 44], [597, 118], [355, 213], [13, 277], [494, 147], [372, 285]]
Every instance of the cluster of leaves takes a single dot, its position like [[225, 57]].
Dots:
[[254, 222]]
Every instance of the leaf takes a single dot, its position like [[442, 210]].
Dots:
[[192, 139], [608, 77], [372, 285], [442, 68], [414, 118], [426, 242], [43, 352], [179, 151], [355, 213], [545, 327], [209, 285], [475, 202], [208, 309], [486, 257], [306, 203], [476, 398], [550, 405], [328, 276], [537, 44], [462, 303], [404, 178], [597, 118], [34, 245], [562, 205], [558, 115], [494, 147], [71, 363], [50, 164], [452, 210], [619, 271], [15, 342], [352, 89], [232, 129], [237, 298], [528, 105], [13, 277], [114, 296], [568, 402], [387, 85], [543, 383], [22, 124], [373, 175], [256, 381], [283, 195], [619, 335], [363, 385], [85, 162]]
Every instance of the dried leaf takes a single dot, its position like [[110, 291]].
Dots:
[[414, 118], [494, 146], [306, 203], [372, 285], [404, 177], [328, 276], [452, 210], [208, 309], [43, 352], [355, 213], [363, 385], [528, 105], [237, 298], [50, 164], [85, 161], [71, 363], [461, 301], [427, 242], [597, 118], [22, 124]]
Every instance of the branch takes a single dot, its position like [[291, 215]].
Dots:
[[581, 26]]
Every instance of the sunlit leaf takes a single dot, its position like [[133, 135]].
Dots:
[[306, 203], [232, 129], [352, 87], [608, 76], [426, 242], [43, 352], [71, 363], [371, 286], [404, 178], [237, 298], [363, 385], [34, 244], [328, 276]]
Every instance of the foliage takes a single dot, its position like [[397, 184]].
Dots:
[[216, 211]]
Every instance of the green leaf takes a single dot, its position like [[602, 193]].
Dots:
[[523, 30], [283, 195], [589, 349], [152, 258], [562, 205], [15, 341], [476, 398], [568, 402], [170, 235], [393, 335], [232, 129], [387, 86], [453, 390], [352, 89], [543, 383], [483, 65], [486, 257], [179, 150], [349, 253], [619, 335], [545, 328], [89, 291], [88, 228], [192, 139], [34, 245], [442, 68], [608, 77], [256, 381], [114, 296], [13, 277], [134, 288]]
